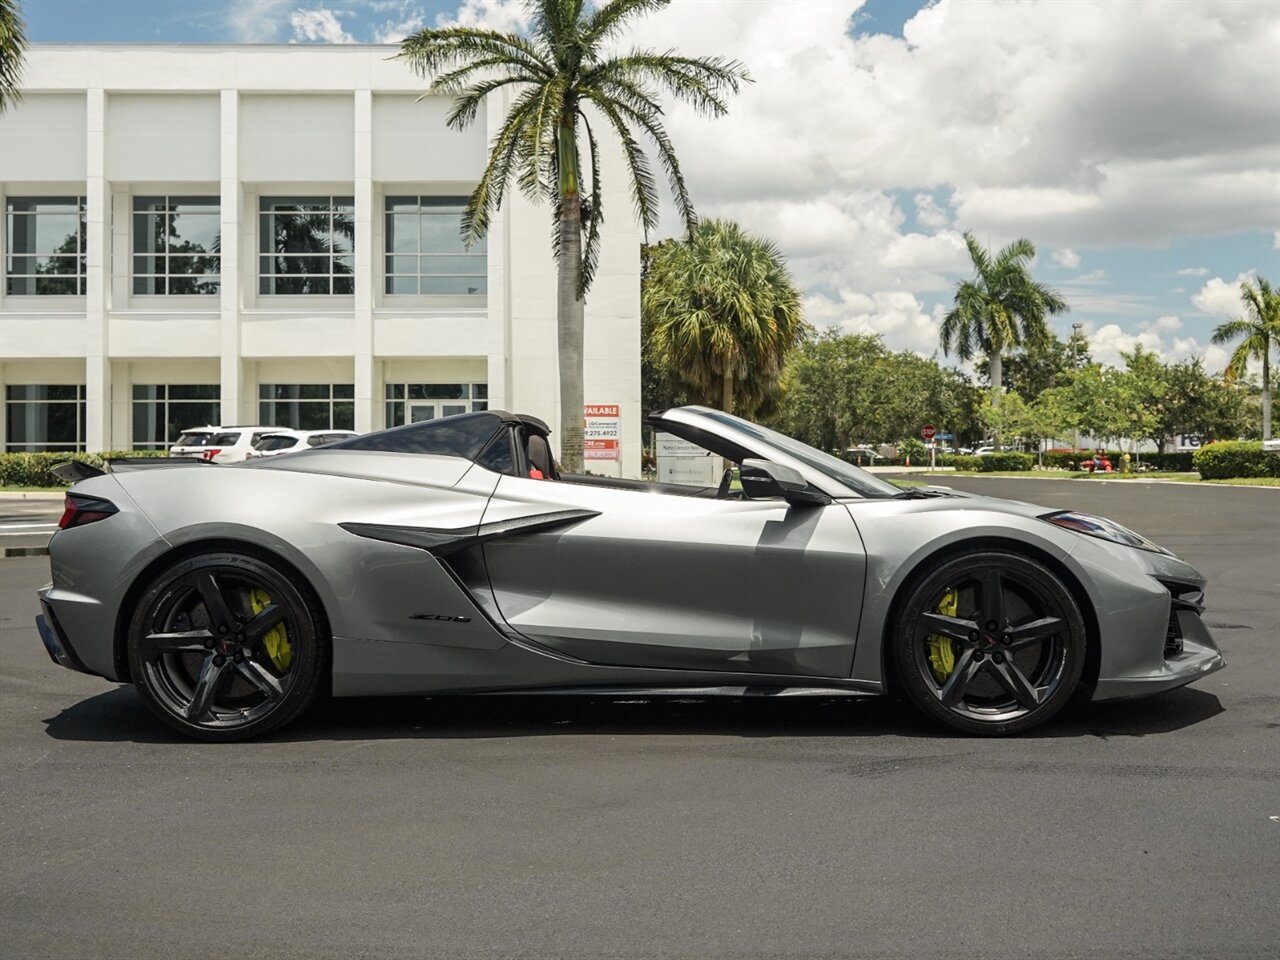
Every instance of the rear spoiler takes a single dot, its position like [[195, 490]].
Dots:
[[73, 471]]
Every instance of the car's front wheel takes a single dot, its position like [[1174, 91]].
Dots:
[[990, 643], [224, 646]]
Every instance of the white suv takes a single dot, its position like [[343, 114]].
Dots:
[[219, 444], [287, 441]]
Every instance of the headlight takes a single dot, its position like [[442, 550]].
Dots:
[[1102, 528]]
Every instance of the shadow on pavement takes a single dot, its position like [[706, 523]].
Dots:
[[120, 715]]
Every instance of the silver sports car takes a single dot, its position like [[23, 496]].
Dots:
[[452, 556]]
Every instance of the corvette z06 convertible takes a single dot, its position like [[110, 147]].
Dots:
[[452, 556]]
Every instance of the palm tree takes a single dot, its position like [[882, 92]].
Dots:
[[1001, 307], [563, 65], [723, 312], [13, 43], [1261, 331]]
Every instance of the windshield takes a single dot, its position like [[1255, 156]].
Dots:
[[858, 481]]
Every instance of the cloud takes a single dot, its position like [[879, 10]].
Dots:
[[929, 213], [1108, 342], [256, 21], [1275, 241], [318, 26], [1220, 298], [1194, 272], [1092, 277], [508, 16], [897, 316], [1067, 258]]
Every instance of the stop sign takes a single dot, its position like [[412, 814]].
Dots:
[[928, 431]]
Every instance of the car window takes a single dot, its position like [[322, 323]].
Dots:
[[463, 435], [202, 439], [275, 441], [224, 440], [498, 456]]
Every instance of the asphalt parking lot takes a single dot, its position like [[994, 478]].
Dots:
[[561, 827]]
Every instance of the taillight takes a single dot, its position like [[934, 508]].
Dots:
[[211, 453], [79, 510]]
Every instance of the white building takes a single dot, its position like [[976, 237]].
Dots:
[[269, 234]]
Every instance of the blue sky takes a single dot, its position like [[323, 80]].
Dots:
[[1118, 137]]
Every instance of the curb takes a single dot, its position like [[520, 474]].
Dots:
[[32, 495], [1170, 483]]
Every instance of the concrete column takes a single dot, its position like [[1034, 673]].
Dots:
[[365, 278], [231, 375], [97, 366]]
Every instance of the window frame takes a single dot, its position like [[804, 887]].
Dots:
[[392, 259], [166, 401], [167, 276], [334, 205], [11, 254], [46, 445], [267, 404]]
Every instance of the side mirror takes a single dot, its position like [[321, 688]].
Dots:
[[764, 480]]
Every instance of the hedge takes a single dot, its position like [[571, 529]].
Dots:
[[33, 469], [1236, 458], [991, 462]]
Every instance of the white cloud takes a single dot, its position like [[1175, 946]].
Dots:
[[1194, 272], [929, 213], [509, 16], [1220, 297], [1108, 342], [1067, 258], [893, 314], [256, 21], [393, 31], [318, 26], [1275, 242], [1092, 277]]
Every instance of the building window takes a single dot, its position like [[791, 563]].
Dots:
[[308, 406], [161, 412], [305, 245], [44, 418], [176, 245], [44, 245], [425, 253], [415, 402]]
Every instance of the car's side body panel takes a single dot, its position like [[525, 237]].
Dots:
[[674, 582]]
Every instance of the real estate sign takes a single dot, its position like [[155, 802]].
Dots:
[[600, 432]]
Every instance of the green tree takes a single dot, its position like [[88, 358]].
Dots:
[[722, 311], [1000, 308], [1260, 330], [13, 47], [1037, 366], [564, 65], [841, 391]]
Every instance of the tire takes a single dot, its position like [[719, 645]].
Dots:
[[226, 647], [989, 680]]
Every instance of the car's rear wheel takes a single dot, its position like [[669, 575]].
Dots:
[[990, 643], [224, 646]]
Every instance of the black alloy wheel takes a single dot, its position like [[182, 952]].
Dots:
[[226, 647], [990, 643]]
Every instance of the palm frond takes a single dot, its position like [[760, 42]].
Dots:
[[609, 19], [13, 46], [428, 52]]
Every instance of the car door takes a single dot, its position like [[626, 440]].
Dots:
[[654, 579]]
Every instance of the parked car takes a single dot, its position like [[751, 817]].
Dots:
[[984, 450], [287, 441], [219, 444], [452, 556]]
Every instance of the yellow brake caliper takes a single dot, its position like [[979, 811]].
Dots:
[[276, 640], [941, 658]]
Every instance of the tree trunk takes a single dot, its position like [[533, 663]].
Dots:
[[569, 308], [1266, 391], [726, 394], [997, 378], [569, 331]]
